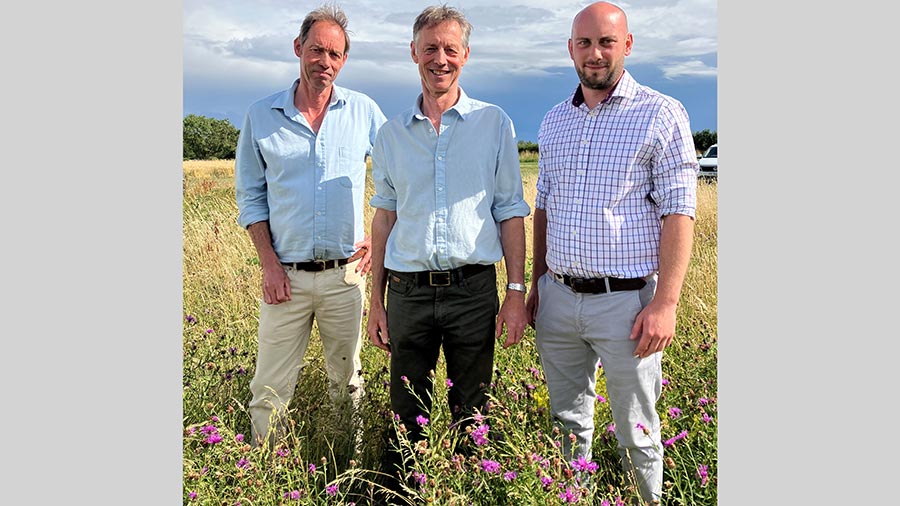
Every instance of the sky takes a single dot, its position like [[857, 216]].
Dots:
[[238, 51]]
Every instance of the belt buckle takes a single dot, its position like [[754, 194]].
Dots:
[[320, 265], [439, 278]]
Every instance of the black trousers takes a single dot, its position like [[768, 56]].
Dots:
[[421, 318]]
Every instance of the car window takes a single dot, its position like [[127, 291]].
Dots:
[[711, 152]]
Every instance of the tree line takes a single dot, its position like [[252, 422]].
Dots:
[[206, 138]]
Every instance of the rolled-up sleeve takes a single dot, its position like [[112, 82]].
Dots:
[[509, 201], [675, 173], [250, 179], [385, 196]]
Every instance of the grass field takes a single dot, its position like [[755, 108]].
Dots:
[[518, 462]]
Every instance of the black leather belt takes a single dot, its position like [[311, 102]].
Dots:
[[600, 285], [445, 278], [316, 265]]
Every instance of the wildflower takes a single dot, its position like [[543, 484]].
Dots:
[[611, 427], [604, 503], [192, 495], [421, 420], [312, 468], [490, 466], [209, 429], [214, 438], [449, 383], [293, 494], [665, 382], [619, 501], [209, 331], [569, 495], [703, 473], [643, 428], [479, 435], [284, 452], [681, 435], [419, 477], [243, 463], [478, 417], [601, 399], [510, 475], [546, 481], [405, 380], [529, 386], [534, 372], [674, 412], [238, 437], [706, 418], [331, 489], [582, 464], [190, 319], [703, 401]]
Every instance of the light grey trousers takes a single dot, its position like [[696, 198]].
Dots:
[[575, 333]]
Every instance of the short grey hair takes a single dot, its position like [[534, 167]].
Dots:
[[327, 12], [437, 14]]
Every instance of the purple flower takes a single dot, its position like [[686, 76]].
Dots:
[[570, 495], [238, 437], [404, 379], [478, 417], [640, 426], [190, 319], [703, 401], [419, 477], [703, 473], [243, 463], [284, 452], [192, 495], [665, 382], [331, 490], [312, 468], [529, 386], [479, 435], [490, 466], [209, 331], [706, 418], [421, 420], [215, 418], [674, 412], [293, 494], [611, 427], [582, 464], [214, 438], [604, 503], [546, 481], [510, 475], [601, 399], [681, 435], [534, 372], [209, 429], [449, 383]]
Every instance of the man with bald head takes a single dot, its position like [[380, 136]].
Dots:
[[613, 230]]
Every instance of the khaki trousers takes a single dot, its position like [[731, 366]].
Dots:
[[334, 299]]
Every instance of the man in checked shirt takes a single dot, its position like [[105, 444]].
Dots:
[[613, 229]]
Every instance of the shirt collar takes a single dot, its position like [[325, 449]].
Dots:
[[285, 101], [463, 107], [626, 89]]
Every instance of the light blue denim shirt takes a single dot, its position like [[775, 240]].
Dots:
[[450, 191], [310, 187]]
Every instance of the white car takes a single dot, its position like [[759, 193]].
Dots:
[[709, 162]]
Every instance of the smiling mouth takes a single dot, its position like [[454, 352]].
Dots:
[[439, 73]]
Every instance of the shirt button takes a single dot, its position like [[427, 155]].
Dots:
[[440, 188], [319, 187], [440, 158]]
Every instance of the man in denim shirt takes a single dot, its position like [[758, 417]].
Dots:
[[449, 204], [300, 181]]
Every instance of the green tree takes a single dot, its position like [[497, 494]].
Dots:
[[704, 139], [208, 138], [528, 146]]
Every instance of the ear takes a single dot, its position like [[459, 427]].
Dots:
[[298, 47], [412, 52], [629, 42], [465, 57], [571, 55]]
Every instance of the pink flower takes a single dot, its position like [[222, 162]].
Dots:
[[421, 420], [681, 435], [601, 399], [238, 437], [674, 412], [703, 401], [449, 383], [706, 418], [490, 466], [703, 473], [510, 475]]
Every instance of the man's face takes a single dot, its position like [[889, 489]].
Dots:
[[599, 44], [322, 55], [439, 52]]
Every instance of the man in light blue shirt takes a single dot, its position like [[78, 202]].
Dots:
[[449, 204], [300, 183]]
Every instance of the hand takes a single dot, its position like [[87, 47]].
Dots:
[[513, 315], [276, 286], [377, 327], [531, 306], [364, 251], [655, 325]]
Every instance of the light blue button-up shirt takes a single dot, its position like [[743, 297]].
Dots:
[[310, 187], [450, 191]]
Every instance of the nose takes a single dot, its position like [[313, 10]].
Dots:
[[440, 57]]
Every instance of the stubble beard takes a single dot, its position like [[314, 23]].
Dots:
[[602, 82]]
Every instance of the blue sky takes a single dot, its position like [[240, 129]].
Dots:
[[237, 51]]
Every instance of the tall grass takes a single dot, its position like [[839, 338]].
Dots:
[[516, 459]]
